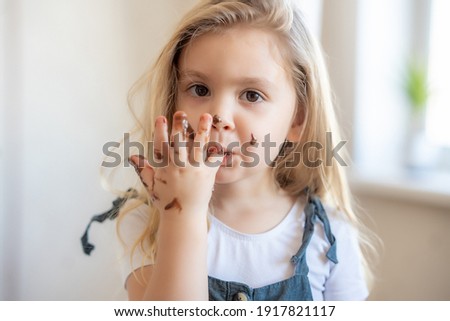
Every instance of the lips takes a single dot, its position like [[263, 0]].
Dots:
[[227, 159], [216, 149]]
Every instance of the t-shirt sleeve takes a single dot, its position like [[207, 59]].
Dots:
[[130, 228], [346, 281]]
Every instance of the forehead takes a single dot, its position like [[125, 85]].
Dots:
[[240, 51]]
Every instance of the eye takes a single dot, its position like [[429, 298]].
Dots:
[[199, 90], [252, 96]]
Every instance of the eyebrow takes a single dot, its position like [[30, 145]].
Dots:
[[191, 74], [255, 81]]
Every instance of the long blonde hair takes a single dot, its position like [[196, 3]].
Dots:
[[314, 101]]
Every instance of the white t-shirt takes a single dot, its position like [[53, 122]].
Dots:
[[262, 259]]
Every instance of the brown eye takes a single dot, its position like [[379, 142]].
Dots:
[[252, 96], [199, 90]]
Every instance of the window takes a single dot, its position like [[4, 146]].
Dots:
[[438, 109]]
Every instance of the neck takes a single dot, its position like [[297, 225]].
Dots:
[[251, 206]]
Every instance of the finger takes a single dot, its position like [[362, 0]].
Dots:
[[179, 139], [160, 141], [201, 138], [144, 171]]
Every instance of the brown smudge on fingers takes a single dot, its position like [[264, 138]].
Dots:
[[153, 184], [180, 119], [253, 140], [216, 119], [173, 204], [141, 163], [135, 166], [190, 132], [158, 154]]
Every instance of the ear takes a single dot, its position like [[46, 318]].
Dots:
[[298, 122]]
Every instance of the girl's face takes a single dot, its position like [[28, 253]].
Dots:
[[240, 76]]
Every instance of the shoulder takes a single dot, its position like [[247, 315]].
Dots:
[[340, 225], [133, 220], [132, 224]]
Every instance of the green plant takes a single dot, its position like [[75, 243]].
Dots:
[[416, 86]]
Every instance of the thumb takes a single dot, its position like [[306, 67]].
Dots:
[[143, 169]]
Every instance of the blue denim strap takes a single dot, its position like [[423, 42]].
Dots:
[[322, 215], [314, 209]]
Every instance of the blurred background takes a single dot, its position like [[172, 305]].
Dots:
[[65, 70]]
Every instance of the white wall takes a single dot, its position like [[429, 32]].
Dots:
[[415, 257], [65, 70], [338, 37], [66, 67]]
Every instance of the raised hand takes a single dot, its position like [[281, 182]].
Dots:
[[180, 177]]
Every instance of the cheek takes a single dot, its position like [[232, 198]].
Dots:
[[267, 146]]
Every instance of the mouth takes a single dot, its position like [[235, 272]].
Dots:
[[216, 149], [227, 158]]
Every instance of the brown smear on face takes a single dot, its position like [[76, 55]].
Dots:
[[173, 204], [216, 119], [253, 140]]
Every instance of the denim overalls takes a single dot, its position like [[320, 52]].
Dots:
[[297, 287]]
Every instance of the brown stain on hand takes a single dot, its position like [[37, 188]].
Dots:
[[190, 132], [158, 154], [173, 204], [154, 197], [139, 167], [161, 180]]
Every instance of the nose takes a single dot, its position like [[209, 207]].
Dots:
[[223, 117], [219, 123]]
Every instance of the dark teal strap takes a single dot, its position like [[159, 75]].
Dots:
[[110, 214]]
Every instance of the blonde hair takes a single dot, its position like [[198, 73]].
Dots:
[[314, 100]]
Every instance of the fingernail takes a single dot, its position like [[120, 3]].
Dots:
[[162, 119]]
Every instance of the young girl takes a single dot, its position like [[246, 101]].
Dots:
[[240, 199]]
